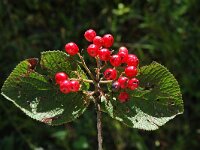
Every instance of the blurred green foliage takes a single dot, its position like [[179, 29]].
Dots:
[[166, 31]]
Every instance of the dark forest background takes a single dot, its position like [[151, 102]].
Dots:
[[166, 31]]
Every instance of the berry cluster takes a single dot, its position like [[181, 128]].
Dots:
[[66, 85], [128, 81], [99, 48]]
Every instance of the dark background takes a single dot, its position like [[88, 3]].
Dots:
[[166, 31]]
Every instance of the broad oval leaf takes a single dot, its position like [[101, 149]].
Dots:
[[38, 96], [156, 101]]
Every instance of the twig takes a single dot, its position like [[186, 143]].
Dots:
[[86, 68], [99, 126]]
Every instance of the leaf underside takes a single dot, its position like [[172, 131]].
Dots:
[[156, 101], [37, 94]]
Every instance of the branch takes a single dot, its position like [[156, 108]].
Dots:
[[86, 68], [99, 125]]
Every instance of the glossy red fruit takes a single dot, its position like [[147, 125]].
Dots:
[[74, 86], [115, 60], [60, 77], [71, 48], [89, 35], [108, 40], [123, 53], [123, 97], [116, 86], [98, 41], [132, 60], [104, 54], [133, 83], [65, 86], [110, 74], [131, 71], [93, 50], [123, 81], [123, 49]]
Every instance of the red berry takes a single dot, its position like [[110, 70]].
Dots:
[[71, 48], [131, 71], [108, 40], [133, 83], [123, 49], [110, 74], [74, 86], [65, 86], [115, 60], [123, 81], [116, 86], [132, 60], [123, 97], [89, 35], [98, 41], [104, 54], [60, 77], [92, 50], [123, 53]]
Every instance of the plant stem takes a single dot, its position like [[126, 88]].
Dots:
[[97, 100], [99, 125], [86, 68]]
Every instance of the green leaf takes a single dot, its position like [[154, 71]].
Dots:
[[156, 101], [38, 96]]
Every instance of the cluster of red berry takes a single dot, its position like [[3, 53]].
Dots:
[[66, 85], [99, 48], [123, 82]]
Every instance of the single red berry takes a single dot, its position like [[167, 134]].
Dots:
[[60, 77], [110, 74], [89, 35], [123, 53], [133, 83], [116, 86], [132, 60], [131, 71], [115, 60], [74, 86], [123, 49], [104, 54], [123, 97], [108, 40], [65, 86], [71, 48], [123, 81], [93, 50], [98, 41]]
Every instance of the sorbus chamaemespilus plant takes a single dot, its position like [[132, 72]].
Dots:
[[71, 48], [131, 71], [60, 77], [123, 53], [110, 74], [99, 50], [89, 35], [98, 41], [123, 81], [104, 54], [115, 60], [74, 86], [108, 40], [132, 60], [116, 86], [133, 83], [93, 50], [123, 97], [65, 86]]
